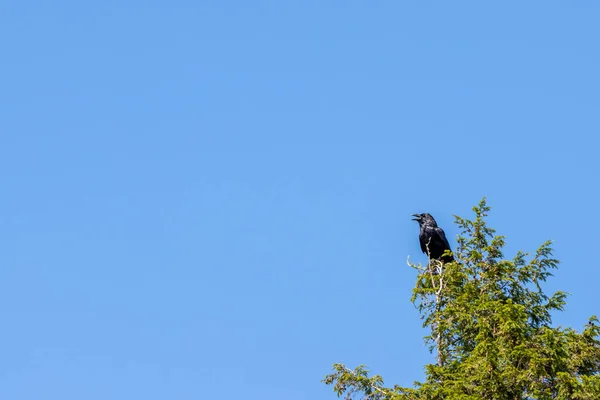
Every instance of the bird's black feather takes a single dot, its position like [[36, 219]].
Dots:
[[432, 238]]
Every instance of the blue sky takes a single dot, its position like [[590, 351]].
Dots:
[[209, 199]]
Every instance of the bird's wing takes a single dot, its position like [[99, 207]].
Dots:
[[431, 240], [442, 236]]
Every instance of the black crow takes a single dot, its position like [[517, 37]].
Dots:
[[432, 238]]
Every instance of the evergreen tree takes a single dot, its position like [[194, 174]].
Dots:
[[489, 325]]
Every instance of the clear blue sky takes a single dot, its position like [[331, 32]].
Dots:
[[212, 199]]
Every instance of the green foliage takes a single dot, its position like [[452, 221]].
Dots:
[[489, 325]]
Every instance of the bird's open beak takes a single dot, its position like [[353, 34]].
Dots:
[[417, 217]]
